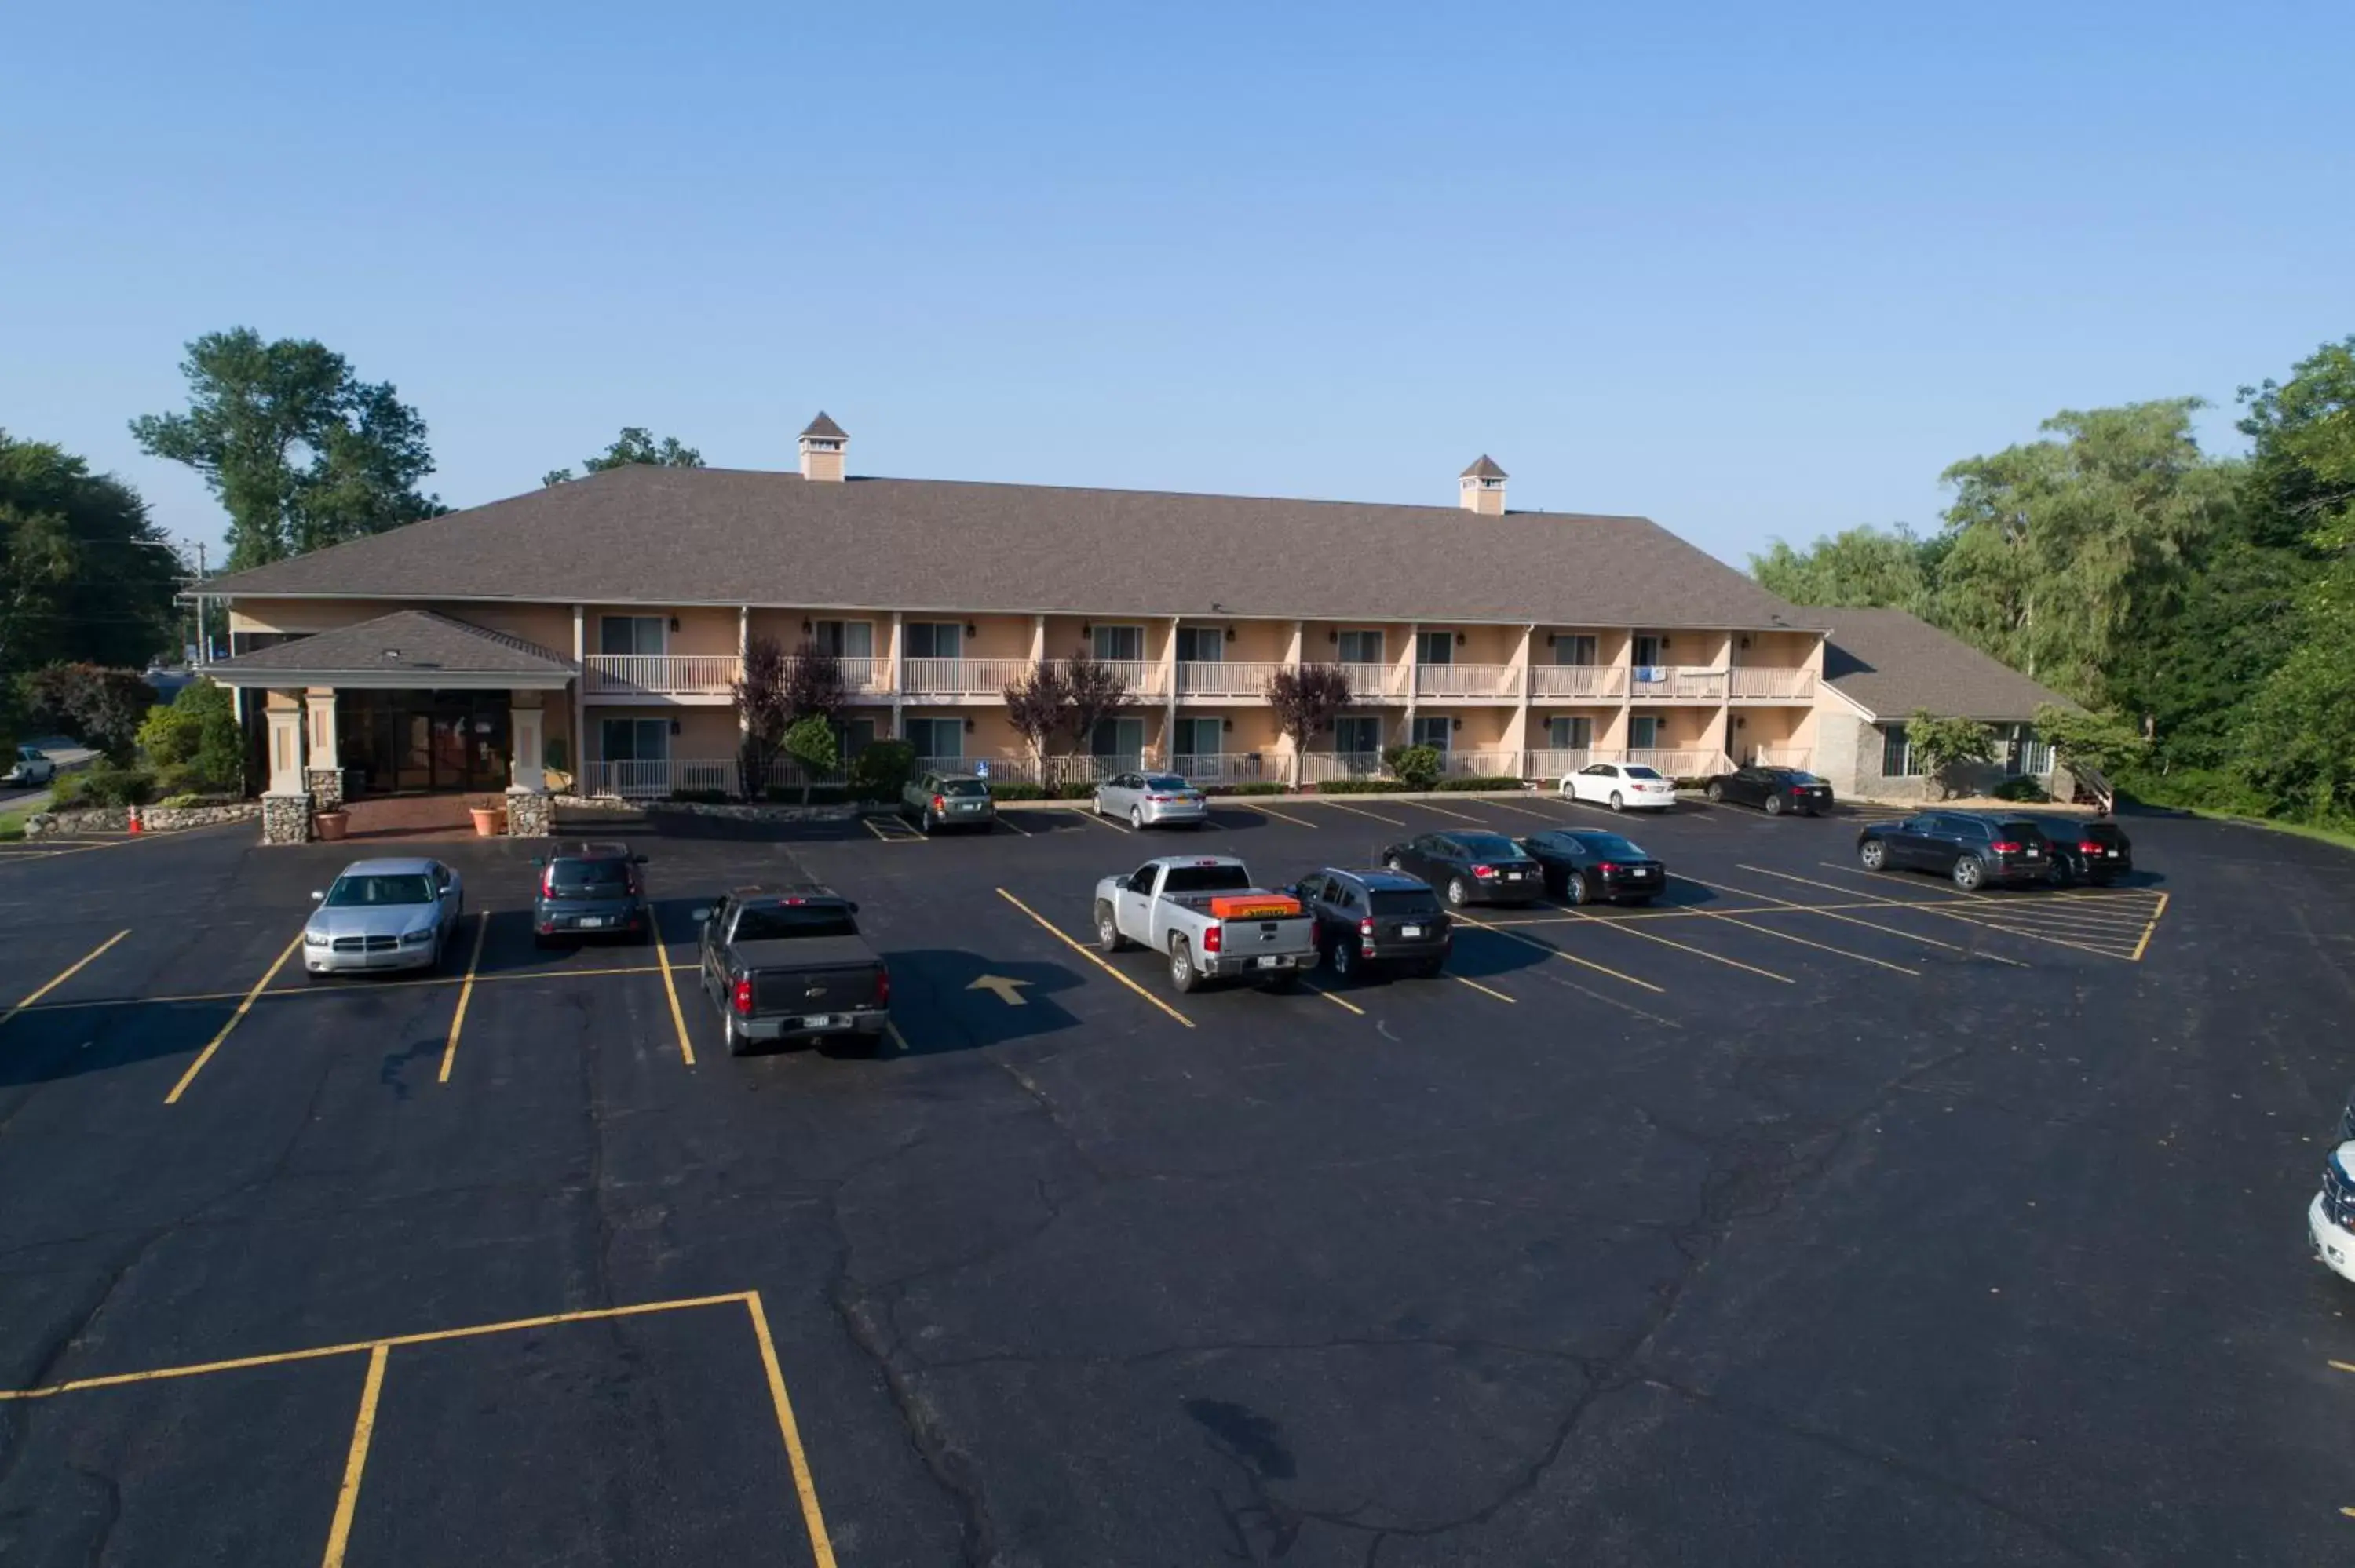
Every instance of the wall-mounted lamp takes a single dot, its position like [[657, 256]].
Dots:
[[674, 726], [1455, 724], [1331, 635], [1231, 634], [969, 632], [1741, 723], [1226, 726], [1086, 630], [1666, 641], [1548, 638], [807, 626], [1745, 642], [968, 727], [1460, 639], [673, 623]]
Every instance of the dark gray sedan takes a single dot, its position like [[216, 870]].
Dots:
[[383, 915]]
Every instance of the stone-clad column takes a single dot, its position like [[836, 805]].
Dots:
[[530, 810], [286, 804], [323, 774]]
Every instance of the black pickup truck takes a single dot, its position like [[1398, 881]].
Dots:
[[788, 963]]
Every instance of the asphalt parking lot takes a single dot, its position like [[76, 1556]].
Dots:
[[1810, 1216]]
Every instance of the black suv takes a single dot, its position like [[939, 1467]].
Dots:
[[2085, 851], [1373, 919], [588, 890], [1973, 847]]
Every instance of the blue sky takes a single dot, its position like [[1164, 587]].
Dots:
[[1749, 271]]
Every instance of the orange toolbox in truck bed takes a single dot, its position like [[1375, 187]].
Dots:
[[1253, 906]]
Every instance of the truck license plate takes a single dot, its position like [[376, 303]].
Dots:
[[1409, 930], [819, 1020], [1270, 963], [590, 922]]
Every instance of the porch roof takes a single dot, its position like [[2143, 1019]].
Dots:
[[408, 647]]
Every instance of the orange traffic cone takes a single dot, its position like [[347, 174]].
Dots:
[[135, 829]]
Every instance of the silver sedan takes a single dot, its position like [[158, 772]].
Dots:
[[383, 915], [1151, 800]]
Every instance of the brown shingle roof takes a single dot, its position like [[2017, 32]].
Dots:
[[825, 426], [641, 533], [1890, 664], [1484, 467], [406, 640]]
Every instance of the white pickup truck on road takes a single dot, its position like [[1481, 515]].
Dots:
[[1205, 914]]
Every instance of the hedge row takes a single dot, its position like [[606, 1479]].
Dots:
[[1492, 781]]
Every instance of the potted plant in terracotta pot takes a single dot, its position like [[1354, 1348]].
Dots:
[[330, 822], [490, 814]]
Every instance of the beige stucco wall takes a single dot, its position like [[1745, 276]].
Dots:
[[1255, 641], [1779, 650], [702, 628], [548, 626], [704, 735], [783, 626], [1485, 728], [1683, 729]]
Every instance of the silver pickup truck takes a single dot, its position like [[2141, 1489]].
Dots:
[[1171, 905]]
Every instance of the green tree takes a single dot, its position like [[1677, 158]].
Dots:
[[1943, 745], [2102, 741], [811, 742], [2297, 746], [636, 444], [301, 452], [85, 576], [103, 707], [1862, 567], [194, 742], [1416, 767], [2063, 553]]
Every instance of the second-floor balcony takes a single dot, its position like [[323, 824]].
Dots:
[[709, 675], [961, 677], [1578, 682], [1467, 682], [1762, 683], [1230, 678], [1676, 683], [1374, 682]]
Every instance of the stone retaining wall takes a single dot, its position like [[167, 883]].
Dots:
[[152, 819], [828, 813]]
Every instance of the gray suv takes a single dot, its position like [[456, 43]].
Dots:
[[948, 800], [591, 890]]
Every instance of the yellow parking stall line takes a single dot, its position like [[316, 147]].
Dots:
[[821, 1547], [1687, 946], [62, 975], [1557, 952], [347, 1497], [1788, 906], [2343, 1366], [1810, 942], [1057, 932], [1945, 909], [466, 995], [1338, 1002], [353, 1346], [2143, 942], [235, 1019], [677, 1019], [1359, 810], [1483, 989], [1285, 816]]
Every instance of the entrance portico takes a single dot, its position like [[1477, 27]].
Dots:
[[411, 701]]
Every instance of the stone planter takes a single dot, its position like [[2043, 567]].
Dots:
[[330, 825]]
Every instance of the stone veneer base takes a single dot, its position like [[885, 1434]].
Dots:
[[286, 819]]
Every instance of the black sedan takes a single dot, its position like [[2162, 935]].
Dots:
[[2084, 851], [1376, 919], [1588, 865], [1470, 867], [1772, 790], [1975, 848]]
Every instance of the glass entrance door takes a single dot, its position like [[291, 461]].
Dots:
[[421, 741]]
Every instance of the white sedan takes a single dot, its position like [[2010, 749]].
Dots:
[[1622, 786]]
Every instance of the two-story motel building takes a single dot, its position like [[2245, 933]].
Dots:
[[610, 617]]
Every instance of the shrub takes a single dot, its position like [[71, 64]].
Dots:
[[880, 772], [105, 783], [1943, 745], [1261, 788], [815, 795], [197, 734], [2023, 790], [1075, 789], [1488, 781], [1415, 767], [184, 800], [703, 797], [1361, 786], [1015, 790], [811, 742]]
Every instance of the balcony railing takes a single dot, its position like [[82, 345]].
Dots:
[[1144, 676], [1316, 766], [960, 677], [1759, 682], [1374, 682], [658, 778], [1206, 679], [1555, 762], [1229, 767], [1466, 681], [659, 674], [1480, 764], [1676, 683], [1782, 755], [865, 677], [1691, 762], [1593, 681]]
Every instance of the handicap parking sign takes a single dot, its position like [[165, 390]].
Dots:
[[981, 771]]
